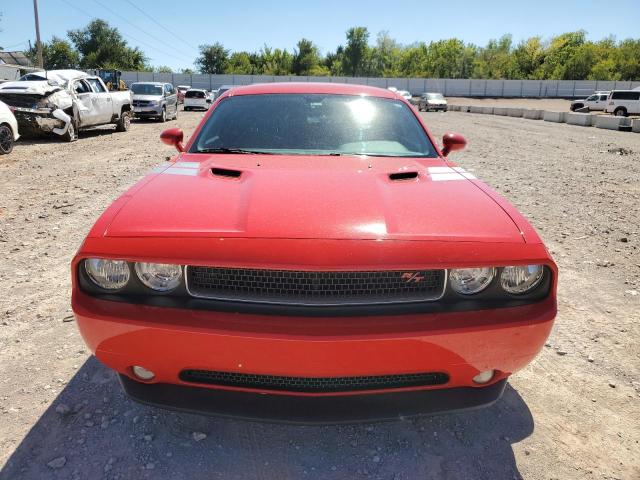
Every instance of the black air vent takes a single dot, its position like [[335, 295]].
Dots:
[[314, 384], [225, 172], [403, 176]]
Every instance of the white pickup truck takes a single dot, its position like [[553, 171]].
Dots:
[[63, 102]]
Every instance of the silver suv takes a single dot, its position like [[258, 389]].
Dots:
[[155, 100]]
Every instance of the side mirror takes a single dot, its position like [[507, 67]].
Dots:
[[174, 137], [208, 100], [452, 142]]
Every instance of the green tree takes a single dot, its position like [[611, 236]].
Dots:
[[353, 62], [240, 63], [560, 62], [212, 59], [187, 71], [494, 60], [56, 54], [101, 46], [275, 61], [528, 57], [628, 59], [163, 69], [305, 58], [386, 56]]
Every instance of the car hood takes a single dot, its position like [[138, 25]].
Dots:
[[278, 196], [31, 87]]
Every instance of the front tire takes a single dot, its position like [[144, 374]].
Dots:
[[71, 135], [620, 112], [124, 122], [6, 140], [163, 116]]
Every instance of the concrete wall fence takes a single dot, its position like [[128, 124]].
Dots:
[[448, 87], [608, 122]]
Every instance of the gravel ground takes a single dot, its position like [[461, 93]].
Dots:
[[573, 413]]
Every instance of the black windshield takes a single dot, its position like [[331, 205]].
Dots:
[[314, 124]]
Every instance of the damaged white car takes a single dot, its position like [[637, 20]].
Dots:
[[63, 102]]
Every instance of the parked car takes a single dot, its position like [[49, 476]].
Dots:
[[623, 102], [597, 101], [8, 129], [432, 101], [405, 94], [63, 102], [181, 90], [283, 266], [222, 90], [197, 99], [155, 100]]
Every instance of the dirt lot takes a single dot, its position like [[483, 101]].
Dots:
[[574, 413]]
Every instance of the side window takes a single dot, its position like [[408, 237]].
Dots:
[[80, 86], [603, 97], [168, 89], [592, 98], [96, 85]]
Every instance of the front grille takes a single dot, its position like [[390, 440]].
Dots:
[[20, 100], [313, 384], [141, 103], [292, 287]]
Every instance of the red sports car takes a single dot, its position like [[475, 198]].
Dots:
[[311, 255]]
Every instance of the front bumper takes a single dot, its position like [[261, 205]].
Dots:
[[311, 409], [38, 121], [148, 111], [170, 340]]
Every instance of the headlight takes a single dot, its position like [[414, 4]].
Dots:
[[108, 274], [161, 277], [521, 279], [153, 102], [468, 281]]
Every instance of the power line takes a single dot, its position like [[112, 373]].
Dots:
[[138, 27], [90, 15], [7, 47], [159, 24]]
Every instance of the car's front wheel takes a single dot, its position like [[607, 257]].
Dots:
[[6, 140], [71, 135], [620, 112], [124, 122], [163, 116]]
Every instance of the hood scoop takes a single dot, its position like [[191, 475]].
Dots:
[[399, 176], [226, 172]]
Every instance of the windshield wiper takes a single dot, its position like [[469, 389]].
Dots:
[[231, 150]]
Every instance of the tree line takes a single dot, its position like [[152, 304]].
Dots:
[[569, 56]]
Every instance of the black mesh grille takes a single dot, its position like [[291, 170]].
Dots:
[[313, 384], [315, 288]]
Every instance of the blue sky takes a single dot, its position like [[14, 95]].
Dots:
[[249, 24]]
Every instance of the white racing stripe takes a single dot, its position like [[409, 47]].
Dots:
[[186, 164], [443, 174], [179, 168]]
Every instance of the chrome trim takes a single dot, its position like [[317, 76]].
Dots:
[[303, 304]]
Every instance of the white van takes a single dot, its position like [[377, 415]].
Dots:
[[623, 102], [196, 98]]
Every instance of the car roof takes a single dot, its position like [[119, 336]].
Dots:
[[149, 83], [312, 87]]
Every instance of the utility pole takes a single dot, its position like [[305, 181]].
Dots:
[[38, 42]]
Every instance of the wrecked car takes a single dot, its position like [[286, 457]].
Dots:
[[62, 102]]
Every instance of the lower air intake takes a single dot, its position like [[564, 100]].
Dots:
[[313, 384]]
